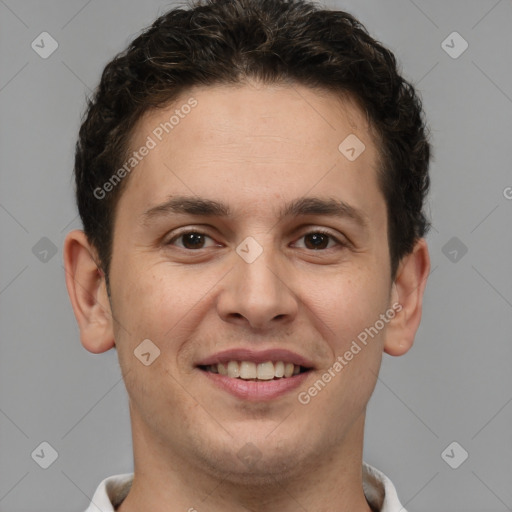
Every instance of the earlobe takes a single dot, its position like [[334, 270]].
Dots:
[[407, 292], [86, 287]]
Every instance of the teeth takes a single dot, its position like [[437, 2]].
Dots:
[[248, 370], [233, 369], [279, 369], [266, 371]]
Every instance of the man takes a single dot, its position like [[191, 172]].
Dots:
[[251, 177]]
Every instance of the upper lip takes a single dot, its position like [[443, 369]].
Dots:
[[260, 356]]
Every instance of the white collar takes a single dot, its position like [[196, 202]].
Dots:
[[378, 489]]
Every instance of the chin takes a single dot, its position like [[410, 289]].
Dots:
[[256, 461], [264, 472]]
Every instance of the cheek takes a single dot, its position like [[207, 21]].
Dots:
[[151, 293], [344, 311], [157, 307], [162, 303], [346, 305]]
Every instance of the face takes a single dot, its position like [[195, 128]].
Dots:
[[266, 275]]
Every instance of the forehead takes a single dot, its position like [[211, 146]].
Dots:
[[249, 144]]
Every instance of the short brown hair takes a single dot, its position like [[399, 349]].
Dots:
[[227, 41]]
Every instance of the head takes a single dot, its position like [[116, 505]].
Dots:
[[271, 42], [247, 103]]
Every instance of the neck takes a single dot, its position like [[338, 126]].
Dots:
[[168, 482]]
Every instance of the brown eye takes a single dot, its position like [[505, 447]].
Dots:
[[193, 240], [190, 240], [319, 240]]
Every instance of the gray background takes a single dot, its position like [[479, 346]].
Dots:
[[454, 385]]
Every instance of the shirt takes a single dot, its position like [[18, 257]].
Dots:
[[377, 487]]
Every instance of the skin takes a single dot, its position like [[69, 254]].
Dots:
[[253, 147]]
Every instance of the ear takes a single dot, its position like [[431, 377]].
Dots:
[[87, 291], [407, 295]]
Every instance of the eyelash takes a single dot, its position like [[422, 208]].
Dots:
[[315, 231]]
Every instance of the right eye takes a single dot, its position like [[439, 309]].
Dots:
[[191, 240]]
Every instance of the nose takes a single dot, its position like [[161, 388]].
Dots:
[[258, 294]]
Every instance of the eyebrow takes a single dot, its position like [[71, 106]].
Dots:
[[202, 207]]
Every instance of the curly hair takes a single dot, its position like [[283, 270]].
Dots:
[[212, 42]]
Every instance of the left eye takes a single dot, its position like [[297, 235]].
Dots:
[[319, 239], [195, 240]]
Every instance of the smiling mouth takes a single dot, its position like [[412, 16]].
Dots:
[[250, 371]]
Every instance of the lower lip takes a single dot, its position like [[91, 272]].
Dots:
[[257, 390]]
